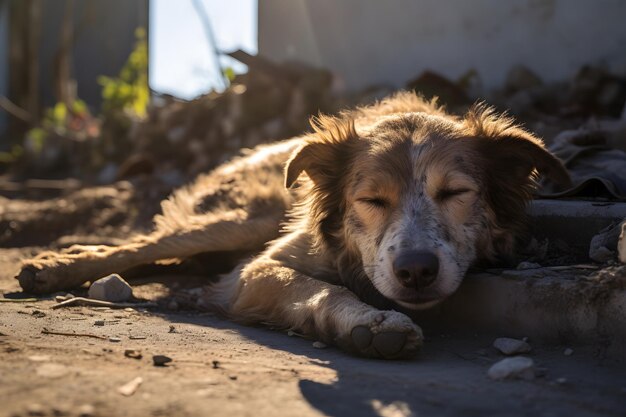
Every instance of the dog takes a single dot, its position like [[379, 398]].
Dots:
[[383, 209]]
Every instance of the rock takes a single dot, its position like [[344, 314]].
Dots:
[[133, 354], [518, 367], [510, 346], [621, 244], [319, 345], [99, 323], [568, 352], [528, 265], [111, 288], [130, 387], [114, 339], [161, 360], [38, 313]]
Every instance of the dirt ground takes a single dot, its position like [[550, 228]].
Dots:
[[222, 369]]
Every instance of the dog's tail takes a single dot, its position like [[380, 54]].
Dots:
[[219, 296]]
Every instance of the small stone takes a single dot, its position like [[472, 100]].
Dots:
[[568, 352], [510, 346], [38, 313], [528, 265], [130, 387], [111, 288], [233, 377], [133, 354], [99, 323], [161, 360], [114, 339], [59, 298], [137, 337], [518, 367], [216, 364], [172, 329], [319, 345]]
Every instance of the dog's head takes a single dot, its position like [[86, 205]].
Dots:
[[410, 202]]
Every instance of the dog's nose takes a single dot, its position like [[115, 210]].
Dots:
[[416, 269]]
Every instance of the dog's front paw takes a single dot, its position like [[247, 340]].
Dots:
[[387, 335]]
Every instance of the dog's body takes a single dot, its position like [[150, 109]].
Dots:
[[398, 200]]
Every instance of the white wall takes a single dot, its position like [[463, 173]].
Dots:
[[389, 42]]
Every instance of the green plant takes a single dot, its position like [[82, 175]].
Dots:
[[129, 91]]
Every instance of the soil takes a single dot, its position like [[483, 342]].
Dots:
[[221, 369]]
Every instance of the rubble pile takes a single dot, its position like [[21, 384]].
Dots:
[[269, 102], [178, 139]]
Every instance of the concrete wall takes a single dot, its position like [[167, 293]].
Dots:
[[389, 42]]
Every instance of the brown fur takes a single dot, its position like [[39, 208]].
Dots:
[[363, 188]]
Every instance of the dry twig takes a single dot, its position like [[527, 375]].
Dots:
[[95, 336]]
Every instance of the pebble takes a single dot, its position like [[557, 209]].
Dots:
[[510, 346], [38, 313], [518, 367], [319, 345], [114, 339], [130, 387], [133, 353], [111, 288], [568, 352], [99, 323], [161, 360]]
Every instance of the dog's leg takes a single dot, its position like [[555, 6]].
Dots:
[[267, 292], [52, 271]]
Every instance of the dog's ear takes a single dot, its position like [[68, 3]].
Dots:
[[322, 154], [510, 159], [510, 152]]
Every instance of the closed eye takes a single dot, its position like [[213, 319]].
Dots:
[[376, 202], [448, 193]]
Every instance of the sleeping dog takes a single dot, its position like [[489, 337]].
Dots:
[[379, 210]]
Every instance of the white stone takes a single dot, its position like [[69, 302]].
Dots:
[[510, 346], [111, 288], [518, 367]]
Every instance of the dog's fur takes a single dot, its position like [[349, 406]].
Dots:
[[397, 179]]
